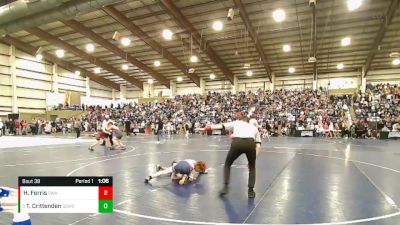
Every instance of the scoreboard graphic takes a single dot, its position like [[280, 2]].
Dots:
[[65, 194]]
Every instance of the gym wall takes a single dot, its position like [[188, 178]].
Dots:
[[33, 79]]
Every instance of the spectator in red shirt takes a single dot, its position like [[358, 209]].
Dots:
[[17, 127]]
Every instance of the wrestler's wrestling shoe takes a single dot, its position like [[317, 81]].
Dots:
[[158, 167], [147, 179], [224, 191], [251, 193]]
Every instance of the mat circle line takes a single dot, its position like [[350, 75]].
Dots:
[[217, 223]]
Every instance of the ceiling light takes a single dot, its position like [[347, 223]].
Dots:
[[97, 70], [286, 48], [279, 15], [157, 63], [77, 72], [353, 4], [212, 76], [292, 70], [179, 79], [150, 81], [89, 47], [218, 25], [194, 58], [340, 66], [125, 41], [346, 41], [60, 53], [167, 34], [396, 62], [249, 73], [125, 66], [39, 56]]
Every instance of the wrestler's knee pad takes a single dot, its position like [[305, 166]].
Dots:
[[4, 193], [21, 219]]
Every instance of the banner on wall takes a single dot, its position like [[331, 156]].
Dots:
[[54, 99], [104, 102], [67, 99]]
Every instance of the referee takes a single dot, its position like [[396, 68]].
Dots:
[[244, 139]]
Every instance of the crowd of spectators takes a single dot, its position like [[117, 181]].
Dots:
[[377, 109], [40, 126], [281, 112]]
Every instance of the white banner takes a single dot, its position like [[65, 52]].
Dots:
[[394, 134], [54, 99], [307, 133]]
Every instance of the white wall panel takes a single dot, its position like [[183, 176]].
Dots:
[[130, 94], [64, 88], [33, 84], [253, 80], [4, 49], [5, 79], [4, 69], [4, 60], [384, 76], [69, 74], [100, 94], [31, 110], [218, 86], [189, 88], [100, 91], [293, 77], [4, 111], [31, 65], [5, 90], [33, 75], [165, 91], [72, 82], [97, 86], [31, 103], [5, 101], [341, 74], [31, 93]]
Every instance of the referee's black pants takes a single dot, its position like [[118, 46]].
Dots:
[[241, 146]]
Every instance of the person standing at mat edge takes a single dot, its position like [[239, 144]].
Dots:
[[244, 139], [77, 127], [1, 127], [160, 130]]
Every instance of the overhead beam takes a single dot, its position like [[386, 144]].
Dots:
[[135, 30], [31, 50], [74, 50], [66, 9], [253, 35], [184, 23], [78, 27], [390, 11]]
